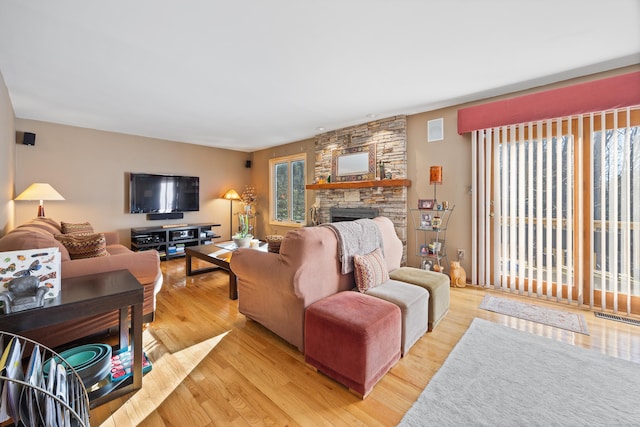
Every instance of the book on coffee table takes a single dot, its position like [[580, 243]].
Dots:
[[230, 246]]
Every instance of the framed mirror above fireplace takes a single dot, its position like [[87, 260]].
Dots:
[[354, 163]]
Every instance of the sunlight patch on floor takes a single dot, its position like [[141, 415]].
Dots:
[[167, 374]]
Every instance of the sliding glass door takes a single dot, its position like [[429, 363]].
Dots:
[[615, 215], [557, 208]]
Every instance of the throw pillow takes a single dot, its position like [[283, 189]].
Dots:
[[84, 245], [370, 270], [71, 228], [273, 243]]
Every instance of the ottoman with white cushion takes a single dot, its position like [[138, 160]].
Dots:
[[414, 306], [372, 278]]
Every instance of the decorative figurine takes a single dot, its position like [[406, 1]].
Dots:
[[458, 275], [24, 293], [313, 215]]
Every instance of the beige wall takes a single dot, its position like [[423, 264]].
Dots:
[[88, 168], [454, 154], [260, 179], [7, 159]]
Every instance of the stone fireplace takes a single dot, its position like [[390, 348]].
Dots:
[[389, 199]]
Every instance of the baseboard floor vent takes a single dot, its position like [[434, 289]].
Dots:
[[628, 320]]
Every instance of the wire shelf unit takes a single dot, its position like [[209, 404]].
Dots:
[[33, 396]]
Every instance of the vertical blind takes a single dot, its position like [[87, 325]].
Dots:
[[554, 209]]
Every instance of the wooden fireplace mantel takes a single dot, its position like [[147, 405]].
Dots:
[[360, 184]]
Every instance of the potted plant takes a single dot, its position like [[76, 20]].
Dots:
[[242, 237]]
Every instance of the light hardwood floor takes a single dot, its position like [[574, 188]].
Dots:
[[212, 366]]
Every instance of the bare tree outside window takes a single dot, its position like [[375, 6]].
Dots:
[[287, 196]]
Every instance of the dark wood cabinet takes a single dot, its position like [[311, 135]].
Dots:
[[89, 295]]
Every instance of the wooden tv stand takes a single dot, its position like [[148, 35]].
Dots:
[[171, 241]]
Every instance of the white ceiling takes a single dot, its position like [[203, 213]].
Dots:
[[249, 74]]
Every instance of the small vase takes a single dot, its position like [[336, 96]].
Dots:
[[242, 242]]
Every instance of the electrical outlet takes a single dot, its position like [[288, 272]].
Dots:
[[460, 254]]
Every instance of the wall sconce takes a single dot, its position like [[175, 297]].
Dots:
[[40, 191], [435, 178]]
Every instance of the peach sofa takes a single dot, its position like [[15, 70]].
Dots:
[[275, 289], [145, 266]]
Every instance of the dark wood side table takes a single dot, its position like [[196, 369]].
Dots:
[[85, 296]]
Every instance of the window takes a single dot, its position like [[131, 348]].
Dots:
[[287, 189]]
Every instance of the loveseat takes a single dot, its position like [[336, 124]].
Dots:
[[40, 233], [274, 289]]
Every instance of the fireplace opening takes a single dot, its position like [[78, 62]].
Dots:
[[351, 214]]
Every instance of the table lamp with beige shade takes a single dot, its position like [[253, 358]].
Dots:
[[40, 191]]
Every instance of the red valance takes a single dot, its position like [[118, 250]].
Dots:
[[600, 95]]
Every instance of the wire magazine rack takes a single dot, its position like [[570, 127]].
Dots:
[[38, 387]]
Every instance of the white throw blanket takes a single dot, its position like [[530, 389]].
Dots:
[[357, 237]]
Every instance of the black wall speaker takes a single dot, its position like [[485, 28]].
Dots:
[[29, 138], [247, 164], [168, 215]]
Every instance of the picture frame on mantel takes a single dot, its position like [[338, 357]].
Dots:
[[354, 163]]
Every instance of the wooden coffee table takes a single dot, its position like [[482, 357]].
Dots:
[[219, 255]]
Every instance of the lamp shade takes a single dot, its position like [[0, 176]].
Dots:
[[39, 191], [231, 195], [435, 175]]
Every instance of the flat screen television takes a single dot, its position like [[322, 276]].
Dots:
[[151, 193]]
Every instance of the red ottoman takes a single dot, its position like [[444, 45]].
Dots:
[[353, 338]]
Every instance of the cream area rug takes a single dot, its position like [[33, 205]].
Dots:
[[499, 376], [548, 316]]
